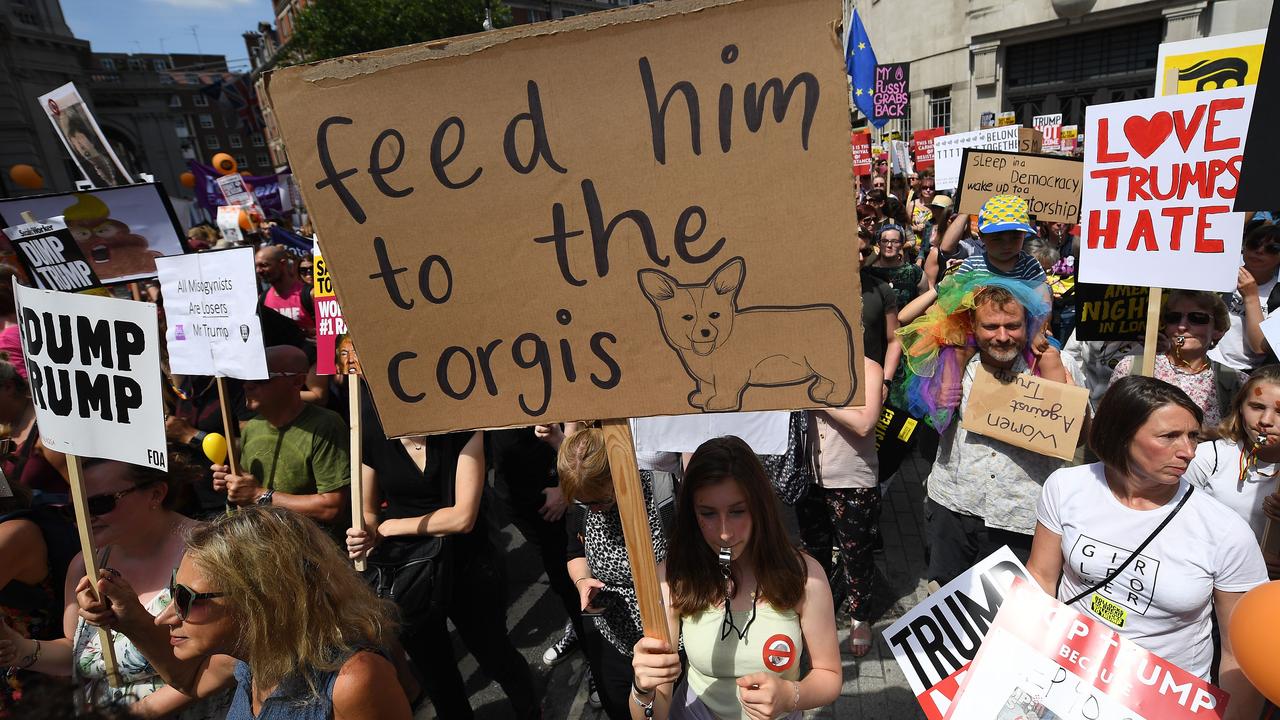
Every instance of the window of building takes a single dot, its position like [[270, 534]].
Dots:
[[200, 100], [235, 141], [160, 65], [175, 101], [256, 140], [108, 64], [135, 63], [263, 159], [192, 78], [212, 142], [180, 124], [940, 108], [166, 79], [242, 162], [206, 121]]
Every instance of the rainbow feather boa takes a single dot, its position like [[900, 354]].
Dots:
[[931, 344]]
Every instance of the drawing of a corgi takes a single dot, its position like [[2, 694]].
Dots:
[[726, 348]]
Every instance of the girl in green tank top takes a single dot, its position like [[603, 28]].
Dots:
[[744, 602]]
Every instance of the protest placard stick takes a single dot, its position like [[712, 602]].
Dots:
[[89, 552], [228, 425], [1153, 330], [357, 458], [629, 496]]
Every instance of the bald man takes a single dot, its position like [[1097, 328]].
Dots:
[[286, 294], [294, 454]]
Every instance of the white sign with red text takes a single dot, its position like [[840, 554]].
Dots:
[[1160, 178], [1041, 659], [1051, 127], [934, 642]]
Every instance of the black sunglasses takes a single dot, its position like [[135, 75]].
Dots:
[[1270, 248], [183, 596], [99, 505], [1193, 318]]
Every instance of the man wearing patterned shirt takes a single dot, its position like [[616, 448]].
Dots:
[[983, 492]]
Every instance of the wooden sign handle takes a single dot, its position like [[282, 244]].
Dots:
[[89, 552], [635, 526], [228, 425], [357, 459], [1153, 330]]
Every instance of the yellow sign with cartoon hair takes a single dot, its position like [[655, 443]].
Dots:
[[1210, 63]]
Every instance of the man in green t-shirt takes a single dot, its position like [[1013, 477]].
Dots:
[[294, 454]]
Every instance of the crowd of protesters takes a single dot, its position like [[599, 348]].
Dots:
[[230, 591]]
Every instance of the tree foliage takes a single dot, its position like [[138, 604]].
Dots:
[[332, 28]]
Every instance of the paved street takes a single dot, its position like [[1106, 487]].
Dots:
[[874, 687]]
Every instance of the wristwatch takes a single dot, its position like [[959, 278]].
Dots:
[[197, 440], [264, 498]]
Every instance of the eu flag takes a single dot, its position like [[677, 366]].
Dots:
[[860, 61]]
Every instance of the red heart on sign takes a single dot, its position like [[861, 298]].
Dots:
[[1146, 136]]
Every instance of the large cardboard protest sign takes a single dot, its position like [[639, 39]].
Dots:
[[120, 230], [80, 135], [331, 327], [935, 640], [1160, 178], [211, 312], [1042, 659], [1026, 411], [93, 364], [1051, 185], [538, 239], [891, 97], [1110, 312], [948, 150], [50, 256]]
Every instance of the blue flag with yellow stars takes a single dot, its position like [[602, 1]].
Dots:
[[860, 61]]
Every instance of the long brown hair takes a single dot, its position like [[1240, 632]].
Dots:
[[692, 566], [1232, 426]]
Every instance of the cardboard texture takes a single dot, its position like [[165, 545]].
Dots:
[[527, 238], [1160, 175], [1110, 312], [1026, 411], [1051, 185]]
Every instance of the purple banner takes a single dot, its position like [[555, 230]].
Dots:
[[266, 188]]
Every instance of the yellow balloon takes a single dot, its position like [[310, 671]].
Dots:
[[215, 448]]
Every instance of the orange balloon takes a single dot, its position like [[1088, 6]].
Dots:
[[245, 173], [224, 164], [188, 179], [1255, 635], [26, 176]]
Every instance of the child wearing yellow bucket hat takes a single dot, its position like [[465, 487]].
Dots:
[[1003, 224]]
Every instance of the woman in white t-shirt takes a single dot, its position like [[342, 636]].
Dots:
[[1242, 469], [1093, 518]]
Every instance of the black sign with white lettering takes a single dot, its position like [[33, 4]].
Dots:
[[51, 257]]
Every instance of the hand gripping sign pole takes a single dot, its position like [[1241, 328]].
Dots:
[[75, 478], [357, 458], [635, 526]]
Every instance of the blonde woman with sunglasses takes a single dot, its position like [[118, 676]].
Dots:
[[141, 538], [266, 604], [1191, 323]]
